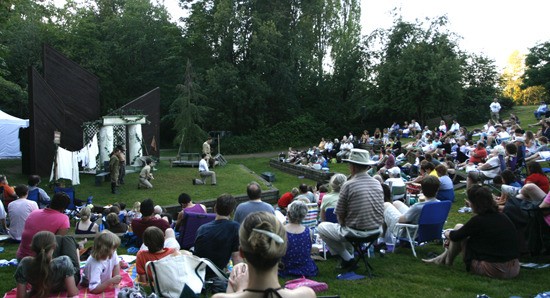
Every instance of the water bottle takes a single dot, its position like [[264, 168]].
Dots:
[[230, 266], [371, 251]]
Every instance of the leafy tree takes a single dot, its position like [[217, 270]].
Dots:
[[479, 84], [419, 74], [537, 72], [512, 77]]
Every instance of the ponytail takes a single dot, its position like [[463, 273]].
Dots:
[[40, 273]]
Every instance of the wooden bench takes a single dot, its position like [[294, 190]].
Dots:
[[186, 160], [102, 177]]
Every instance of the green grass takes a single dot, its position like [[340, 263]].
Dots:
[[396, 275]]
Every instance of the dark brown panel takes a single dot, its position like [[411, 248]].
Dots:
[[46, 115], [78, 89], [149, 104]]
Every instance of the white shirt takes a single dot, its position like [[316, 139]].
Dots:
[[495, 107], [19, 211], [203, 165], [454, 127], [443, 128]]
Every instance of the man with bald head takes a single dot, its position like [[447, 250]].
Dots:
[[254, 204]]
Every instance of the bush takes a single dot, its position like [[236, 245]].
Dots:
[[301, 131]]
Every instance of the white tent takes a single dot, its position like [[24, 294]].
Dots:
[[9, 130]]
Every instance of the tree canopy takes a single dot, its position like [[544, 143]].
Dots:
[[258, 63]]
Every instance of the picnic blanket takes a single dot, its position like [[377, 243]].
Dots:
[[84, 292]]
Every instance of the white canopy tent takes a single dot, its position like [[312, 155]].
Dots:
[[9, 130]]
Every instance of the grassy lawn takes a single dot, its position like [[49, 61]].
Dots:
[[396, 275]]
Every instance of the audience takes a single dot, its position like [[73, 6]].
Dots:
[[102, 269], [48, 219], [8, 191], [218, 240], [19, 211], [154, 239], [85, 225], [331, 199], [297, 260], [114, 225], [43, 200], [187, 206], [147, 219], [45, 273], [398, 212], [263, 243], [488, 240], [254, 204]]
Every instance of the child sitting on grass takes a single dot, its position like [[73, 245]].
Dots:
[[102, 267]]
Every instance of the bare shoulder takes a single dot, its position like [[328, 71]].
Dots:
[[301, 292]]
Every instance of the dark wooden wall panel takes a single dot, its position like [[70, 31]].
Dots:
[[149, 103], [78, 89], [46, 116]]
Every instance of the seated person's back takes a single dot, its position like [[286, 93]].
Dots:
[[218, 240], [147, 219]]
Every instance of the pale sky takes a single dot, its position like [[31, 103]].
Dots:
[[494, 28]]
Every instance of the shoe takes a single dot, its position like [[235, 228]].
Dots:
[[139, 186], [193, 181], [349, 265], [214, 184]]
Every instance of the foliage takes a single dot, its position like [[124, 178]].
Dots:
[[479, 84], [511, 77], [537, 72], [419, 72], [534, 95], [188, 113], [301, 131]]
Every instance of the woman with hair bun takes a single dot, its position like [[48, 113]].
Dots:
[[43, 272], [263, 243]]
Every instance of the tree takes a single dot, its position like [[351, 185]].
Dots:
[[537, 72], [419, 74], [512, 77], [187, 113], [479, 84]]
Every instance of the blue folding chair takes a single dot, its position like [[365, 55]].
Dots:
[[34, 195], [70, 192], [429, 227], [446, 195]]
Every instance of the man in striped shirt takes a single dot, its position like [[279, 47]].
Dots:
[[360, 209]]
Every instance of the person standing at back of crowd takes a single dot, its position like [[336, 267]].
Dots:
[[495, 109]]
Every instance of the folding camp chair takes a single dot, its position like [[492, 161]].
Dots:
[[191, 223], [70, 192], [446, 195], [34, 195], [310, 220], [398, 192], [429, 227], [330, 216]]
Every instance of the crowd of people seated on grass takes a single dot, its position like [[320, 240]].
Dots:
[[267, 235]]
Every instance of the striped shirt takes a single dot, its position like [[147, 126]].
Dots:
[[361, 203]]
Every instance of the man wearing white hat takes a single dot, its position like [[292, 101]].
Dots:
[[360, 209]]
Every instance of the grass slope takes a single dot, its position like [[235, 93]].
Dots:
[[396, 275]]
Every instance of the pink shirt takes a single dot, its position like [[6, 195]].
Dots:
[[19, 210], [547, 201], [41, 220]]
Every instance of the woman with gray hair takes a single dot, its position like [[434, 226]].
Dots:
[[330, 199], [297, 260]]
